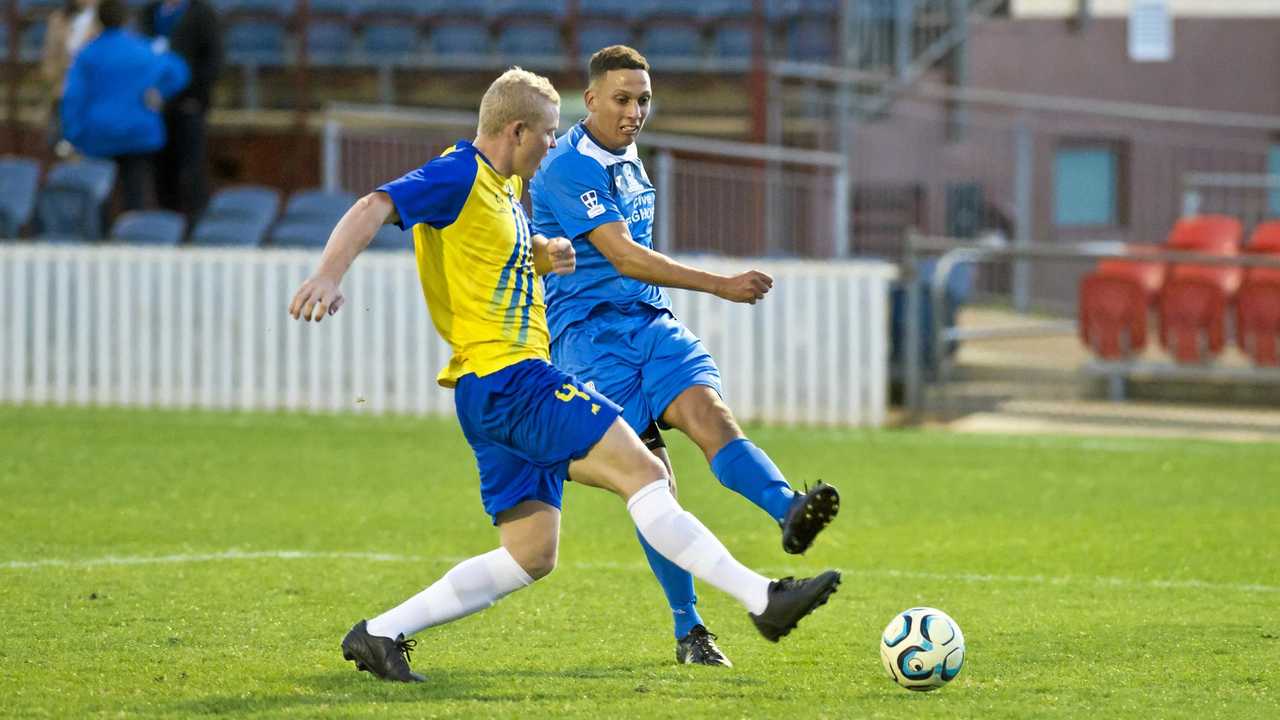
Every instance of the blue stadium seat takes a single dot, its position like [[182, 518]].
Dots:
[[675, 9], [18, 179], [333, 8], [253, 203], [300, 233], [73, 196], [390, 41], [826, 9], [329, 42], [615, 10], [445, 9], [529, 38], [256, 42], [731, 41], [30, 8], [317, 206], [554, 9], [668, 42], [390, 237], [150, 227], [229, 231], [31, 41], [277, 8], [407, 9], [595, 35], [811, 40], [714, 11], [460, 38]]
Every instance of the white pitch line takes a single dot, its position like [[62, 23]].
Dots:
[[980, 578]]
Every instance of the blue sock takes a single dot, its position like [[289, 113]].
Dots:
[[745, 469], [678, 585]]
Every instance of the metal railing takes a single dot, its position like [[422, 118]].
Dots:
[[953, 252]]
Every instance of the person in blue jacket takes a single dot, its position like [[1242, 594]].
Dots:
[[114, 94]]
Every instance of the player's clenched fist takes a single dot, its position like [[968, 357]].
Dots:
[[318, 296], [747, 287], [563, 257]]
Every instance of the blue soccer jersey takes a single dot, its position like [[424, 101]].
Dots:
[[580, 186]]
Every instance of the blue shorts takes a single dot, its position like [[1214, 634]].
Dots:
[[525, 423], [641, 358]]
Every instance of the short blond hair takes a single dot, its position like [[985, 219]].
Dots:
[[516, 95]]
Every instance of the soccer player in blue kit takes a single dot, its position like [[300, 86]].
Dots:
[[530, 425], [611, 325]]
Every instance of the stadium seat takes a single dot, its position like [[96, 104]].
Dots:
[[827, 10], [1194, 301], [149, 227], [390, 42], [731, 41], [333, 8], [449, 9], [252, 203], [717, 11], [390, 237], [411, 10], [229, 231], [256, 42], [1258, 301], [1114, 302], [811, 40], [529, 39], [72, 199], [317, 206], [460, 39], [551, 9], [18, 179], [300, 234], [595, 35], [669, 9], [261, 8], [31, 41], [329, 42], [665, 41], [619, 11]]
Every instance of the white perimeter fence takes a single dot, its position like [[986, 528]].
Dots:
[[208, 329]]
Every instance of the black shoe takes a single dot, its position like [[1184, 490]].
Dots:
[[384, 657], [810, 511], [699, 648], [791, 599]]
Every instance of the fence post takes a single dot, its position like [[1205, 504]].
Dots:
[[1023, 192], [664, 164], [913, 377], [903, 23], [331, 155]]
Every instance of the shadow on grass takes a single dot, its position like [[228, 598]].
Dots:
[[348, 690]]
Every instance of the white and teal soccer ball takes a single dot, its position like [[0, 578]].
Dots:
[[922, 648]]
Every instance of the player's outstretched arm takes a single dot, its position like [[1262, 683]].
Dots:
[[320, 294], [634, 260], [553, 255]]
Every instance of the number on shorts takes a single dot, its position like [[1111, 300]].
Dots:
[[569, 392]]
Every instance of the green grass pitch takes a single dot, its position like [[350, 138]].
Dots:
[[145, 571]]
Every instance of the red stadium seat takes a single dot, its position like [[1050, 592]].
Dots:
[[1258, 302], [1114, 301], [1258, 320], [1113, 315], [1218, 234], [1194, 301]]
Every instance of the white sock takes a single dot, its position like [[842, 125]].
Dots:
[[472, 585], [683, 540]]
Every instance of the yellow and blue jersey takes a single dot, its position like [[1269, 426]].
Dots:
[[475, 260]]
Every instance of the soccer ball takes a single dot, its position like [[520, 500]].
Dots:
[[922, 648]]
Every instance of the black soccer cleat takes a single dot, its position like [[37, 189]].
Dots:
[[384, 657], [699, 648], [791, 599], [810, 512]]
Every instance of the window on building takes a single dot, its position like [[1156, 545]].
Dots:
[[1087, 181]]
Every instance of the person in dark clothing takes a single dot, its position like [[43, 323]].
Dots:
[[114, 92], [190, 29]]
